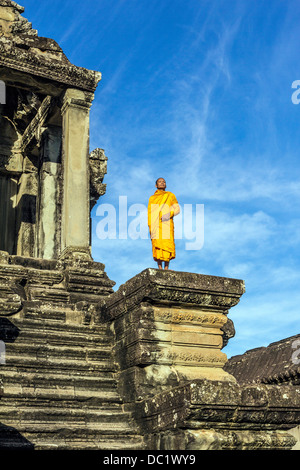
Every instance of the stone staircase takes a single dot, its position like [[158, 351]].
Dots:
[[60, 390]]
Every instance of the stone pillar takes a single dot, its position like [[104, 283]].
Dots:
[[75, 230], [168, 329], [49, 210], [26, 210]]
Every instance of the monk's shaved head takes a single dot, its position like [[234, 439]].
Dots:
[[159, 179]]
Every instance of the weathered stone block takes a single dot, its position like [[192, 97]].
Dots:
[[218, 415], [27, 282], [172, 321]]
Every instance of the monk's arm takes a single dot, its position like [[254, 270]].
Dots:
[[174, 209]]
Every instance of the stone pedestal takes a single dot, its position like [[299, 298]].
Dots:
[[168, 329]]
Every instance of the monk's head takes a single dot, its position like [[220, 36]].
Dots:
[[161, 183]]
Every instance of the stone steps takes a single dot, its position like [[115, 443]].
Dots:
[[76, 428], [72, 336], [76, 350], [104, 402], [40, 381], [99, 443], [60, 390], [57, 365], [57, 428], [75, 444], [67, 438], [96, 442], [29, 415], [53, 352], [44, 329], [57, 390]]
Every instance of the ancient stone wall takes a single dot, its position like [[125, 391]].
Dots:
[[49, 181]]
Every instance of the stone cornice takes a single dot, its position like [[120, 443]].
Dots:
[[176, 288], [22, 50], [47, 67]]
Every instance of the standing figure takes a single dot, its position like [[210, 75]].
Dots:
[[162, 208]]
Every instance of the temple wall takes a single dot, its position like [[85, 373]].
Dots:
[[44, 145]]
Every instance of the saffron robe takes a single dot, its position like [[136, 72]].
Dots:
[[162, 232]]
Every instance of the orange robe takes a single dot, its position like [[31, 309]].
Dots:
[[162, 232]]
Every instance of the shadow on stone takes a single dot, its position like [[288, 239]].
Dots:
[[11, 439], [8, 331]]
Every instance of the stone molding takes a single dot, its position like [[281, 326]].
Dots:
[[77, 99], [72, 254], [12, 57]]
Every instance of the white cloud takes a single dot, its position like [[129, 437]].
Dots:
[[232, 235]]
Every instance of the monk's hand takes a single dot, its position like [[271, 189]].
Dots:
[[165, 217]]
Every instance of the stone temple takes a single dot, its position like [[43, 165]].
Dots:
[[82, 366]]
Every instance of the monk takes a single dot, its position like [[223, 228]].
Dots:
[[162, 208]]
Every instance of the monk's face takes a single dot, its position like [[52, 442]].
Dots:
[[161, 184]]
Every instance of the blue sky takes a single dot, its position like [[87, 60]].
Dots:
[[199, 92]]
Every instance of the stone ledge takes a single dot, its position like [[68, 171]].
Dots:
[[220, 439], [260, 416], [175, 288]]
